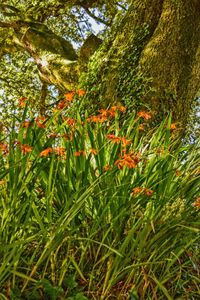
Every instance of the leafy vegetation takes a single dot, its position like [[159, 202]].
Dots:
[[97, 206]]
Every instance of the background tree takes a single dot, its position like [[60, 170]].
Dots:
[[36, 52], [151, 56]]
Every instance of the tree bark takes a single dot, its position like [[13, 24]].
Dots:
[[157, 45]]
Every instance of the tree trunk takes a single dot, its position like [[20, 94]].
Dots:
[[153, 58]]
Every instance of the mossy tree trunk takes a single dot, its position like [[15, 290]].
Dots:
[[153, 57]]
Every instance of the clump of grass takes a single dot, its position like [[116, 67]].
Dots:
[[98, 207]]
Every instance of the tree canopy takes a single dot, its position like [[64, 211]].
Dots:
[[34, 34]]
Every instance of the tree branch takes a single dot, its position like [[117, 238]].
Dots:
[[96, 18], [8, 25]]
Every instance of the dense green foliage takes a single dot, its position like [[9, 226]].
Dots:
[[97, 207], [95, 203]]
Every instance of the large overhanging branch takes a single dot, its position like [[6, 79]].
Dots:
[[8, 24]]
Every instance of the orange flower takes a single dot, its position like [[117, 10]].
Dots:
[[93, 151], [26, 148], [112, 111], [69, 96], [178, 173], [173, 126], [104, 112], [145, 115], [70, 122], [106, 168], [197, 202], [40, 121], [117, 140], [4, 148], [125, 142], [129, 160], [61, 105], [60, 151], [148, 192], [46, 152], [81, 92], [137, 190], [97, 119], [26, 124], [79, 153], [22, 102], [141, 127], [122, 108]]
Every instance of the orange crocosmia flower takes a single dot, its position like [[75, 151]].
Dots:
[[69, 96], [70, 121], [61, 105], [145, 115], [46, 152], [79, 153], [4, 148], [129, 160], [148, 192], [122, 108], [97, 119], [173, 126], [60, 151], [115, 139], [106, 168], [22, 102], [141, 127], [81, 92], [26, 124], [93, 151], [178, 173], [125, 142], [104, 112], [137, 190], [40, 121], [26, 148], [197, 202]]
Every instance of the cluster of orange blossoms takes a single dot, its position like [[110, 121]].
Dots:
[[57, 150], [70, 122], [138, 190], [105, 114], [69, 97], [145, 115], [116, 140], [129, 160]]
